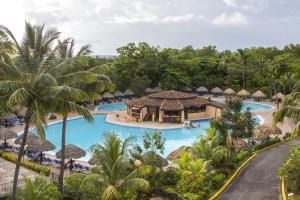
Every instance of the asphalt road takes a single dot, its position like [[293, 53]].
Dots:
[[259, 180]]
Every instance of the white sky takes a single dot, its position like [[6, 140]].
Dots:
[[108, 24]]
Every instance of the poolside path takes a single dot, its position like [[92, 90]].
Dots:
[[259, 180]]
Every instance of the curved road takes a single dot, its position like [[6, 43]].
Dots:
[[259, 180]]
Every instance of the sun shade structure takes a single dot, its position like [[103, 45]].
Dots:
[[40, 146], [243, 93], [153, 90], [258, 94], [128, 92], [187, 89], [30, 138], [174, 155], [280, 96], [107, 95], [6, 134], [92, 161], [7, 116], [263, 132], [72, 152], [118, 93], [230, 92], [216, 90], [201, 89], [22, 112], [168, 105]]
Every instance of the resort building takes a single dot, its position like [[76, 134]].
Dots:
[[172, 106]]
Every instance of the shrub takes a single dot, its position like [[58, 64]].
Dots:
[[169, 177], [218, 180], [198, 185], [269, 143], [30, 165], [291, 172], [72, 186], [242, 155]]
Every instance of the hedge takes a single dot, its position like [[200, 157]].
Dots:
[[269, 143], [30, 165]]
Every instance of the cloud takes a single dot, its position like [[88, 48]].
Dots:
[[231, 3], [236, 18], [181, 18]]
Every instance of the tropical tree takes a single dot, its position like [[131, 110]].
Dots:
[[112, 169], [24, 82], [38, 189], [244, 56], [6, 47], [290, 108]]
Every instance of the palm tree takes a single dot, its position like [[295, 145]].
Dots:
[[244, 57], [28, 83], [290, 107], [6, 47], [83, 80], [112, 169], [38, 189]]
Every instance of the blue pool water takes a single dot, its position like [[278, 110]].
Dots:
[[122, 106], [84, 134]]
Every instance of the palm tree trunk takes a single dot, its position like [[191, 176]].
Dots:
[[62, 159], [18, 163], [276, 98]]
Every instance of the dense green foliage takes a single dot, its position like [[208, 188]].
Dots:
[[290, 171], [141, 66]]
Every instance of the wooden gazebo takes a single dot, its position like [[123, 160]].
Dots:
[[172, 106]]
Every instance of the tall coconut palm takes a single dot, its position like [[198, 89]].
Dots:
[[112, 166], [80, 76], [26, 83], [290, 108], [6, 47], [244, 56]]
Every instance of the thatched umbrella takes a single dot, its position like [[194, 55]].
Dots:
[[157, 89], [40, 146], [7, 116], [107, 95], [202, 89], [229, 92], [216, 90], [187, 89], [30, 138], [92, 161], [22, 112], [72, 152], [174, 155], [128, 92], [150, 156], [259, 95], [149, 90], [239, 144], [118, 93], [6, 134], [264, 131], [280, 96], [243, 93]]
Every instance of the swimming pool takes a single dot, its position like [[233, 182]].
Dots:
[[122, 106], [84, 134]]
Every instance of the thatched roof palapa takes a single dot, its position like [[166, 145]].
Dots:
[[153, 90], [201, 89], [72, 152], [6, 134], [174, 155], [107, 95], [258, 94], [216, 90], [7, 116], [128, 92], [187, 89], [229, 91], [279, 96], [265, 130], [172, 101], [118, 93], [92, 161], [40, 146], [30, 138], [243, 93]]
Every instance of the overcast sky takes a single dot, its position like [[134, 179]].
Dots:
[[109, 24]]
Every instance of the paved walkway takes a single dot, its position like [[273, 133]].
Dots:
[[7, 170], [259, 180]]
